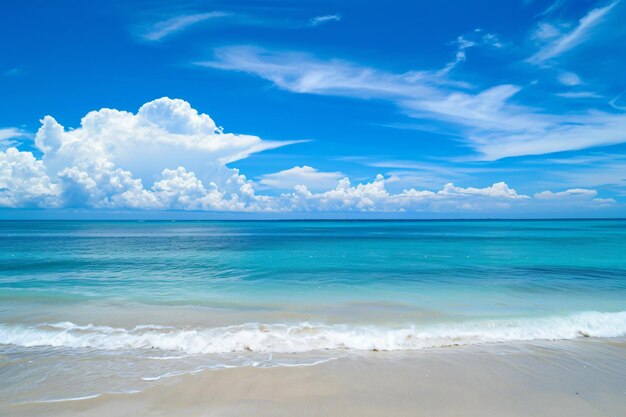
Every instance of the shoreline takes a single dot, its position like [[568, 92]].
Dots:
[[582, 377]]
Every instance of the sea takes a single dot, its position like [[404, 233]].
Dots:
[[95, 307]]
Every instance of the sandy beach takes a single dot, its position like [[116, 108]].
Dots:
[[583, 378]]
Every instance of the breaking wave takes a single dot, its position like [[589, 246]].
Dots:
[[306, 337]]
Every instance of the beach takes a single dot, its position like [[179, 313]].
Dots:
[[385, 318], [583, 378], [312, 208]]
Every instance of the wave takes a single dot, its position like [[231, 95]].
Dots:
[[306, 337]]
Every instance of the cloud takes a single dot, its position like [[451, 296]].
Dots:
[[595, 170], [301, 175], [319, 20], [555, 133], [576, 195], [572, 193], [164, 133], [475, 39], [546, 31], [553, 7], [579, 94], [24, 181], [109, 158], [491, 39], [182, 190], [167, 156], [374, 197], [562, 42], [159, 30], [489, 121], [498, 190], [460, 56], [9, 134], [301, 73], [613, 103], [569, 79]]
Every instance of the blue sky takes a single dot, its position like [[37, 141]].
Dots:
[[314, 108]]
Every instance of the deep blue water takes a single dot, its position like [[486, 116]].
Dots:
[[468, 267]]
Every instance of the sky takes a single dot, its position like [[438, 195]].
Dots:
[[312, 109]]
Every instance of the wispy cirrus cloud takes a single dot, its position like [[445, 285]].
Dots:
[[552, 8], [490, 121], [614, 103], [606, 170], [579, 94], [478, 38], [9, 136], [302, 73], [320, 20], [561, 42], [164, 28]]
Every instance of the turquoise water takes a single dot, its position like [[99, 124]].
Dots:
[[161, 298]]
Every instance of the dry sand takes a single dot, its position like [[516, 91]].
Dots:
[[583, 378]]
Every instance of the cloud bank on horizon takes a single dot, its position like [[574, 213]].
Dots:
[[181, 156], [517, 110]]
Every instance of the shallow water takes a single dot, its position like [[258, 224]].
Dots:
[[130, 302]]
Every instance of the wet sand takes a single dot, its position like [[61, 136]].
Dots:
[[585, 378]]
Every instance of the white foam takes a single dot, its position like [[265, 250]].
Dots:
[[61, 400], [306, 337], [171, 374]]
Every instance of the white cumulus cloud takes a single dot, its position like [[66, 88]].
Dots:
[[374, 197], [24, 181], [115, 156], [164, 133], [168, 156]]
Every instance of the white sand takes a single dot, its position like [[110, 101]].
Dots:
[[583, 378]]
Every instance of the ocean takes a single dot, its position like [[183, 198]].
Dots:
[[93, 307]]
